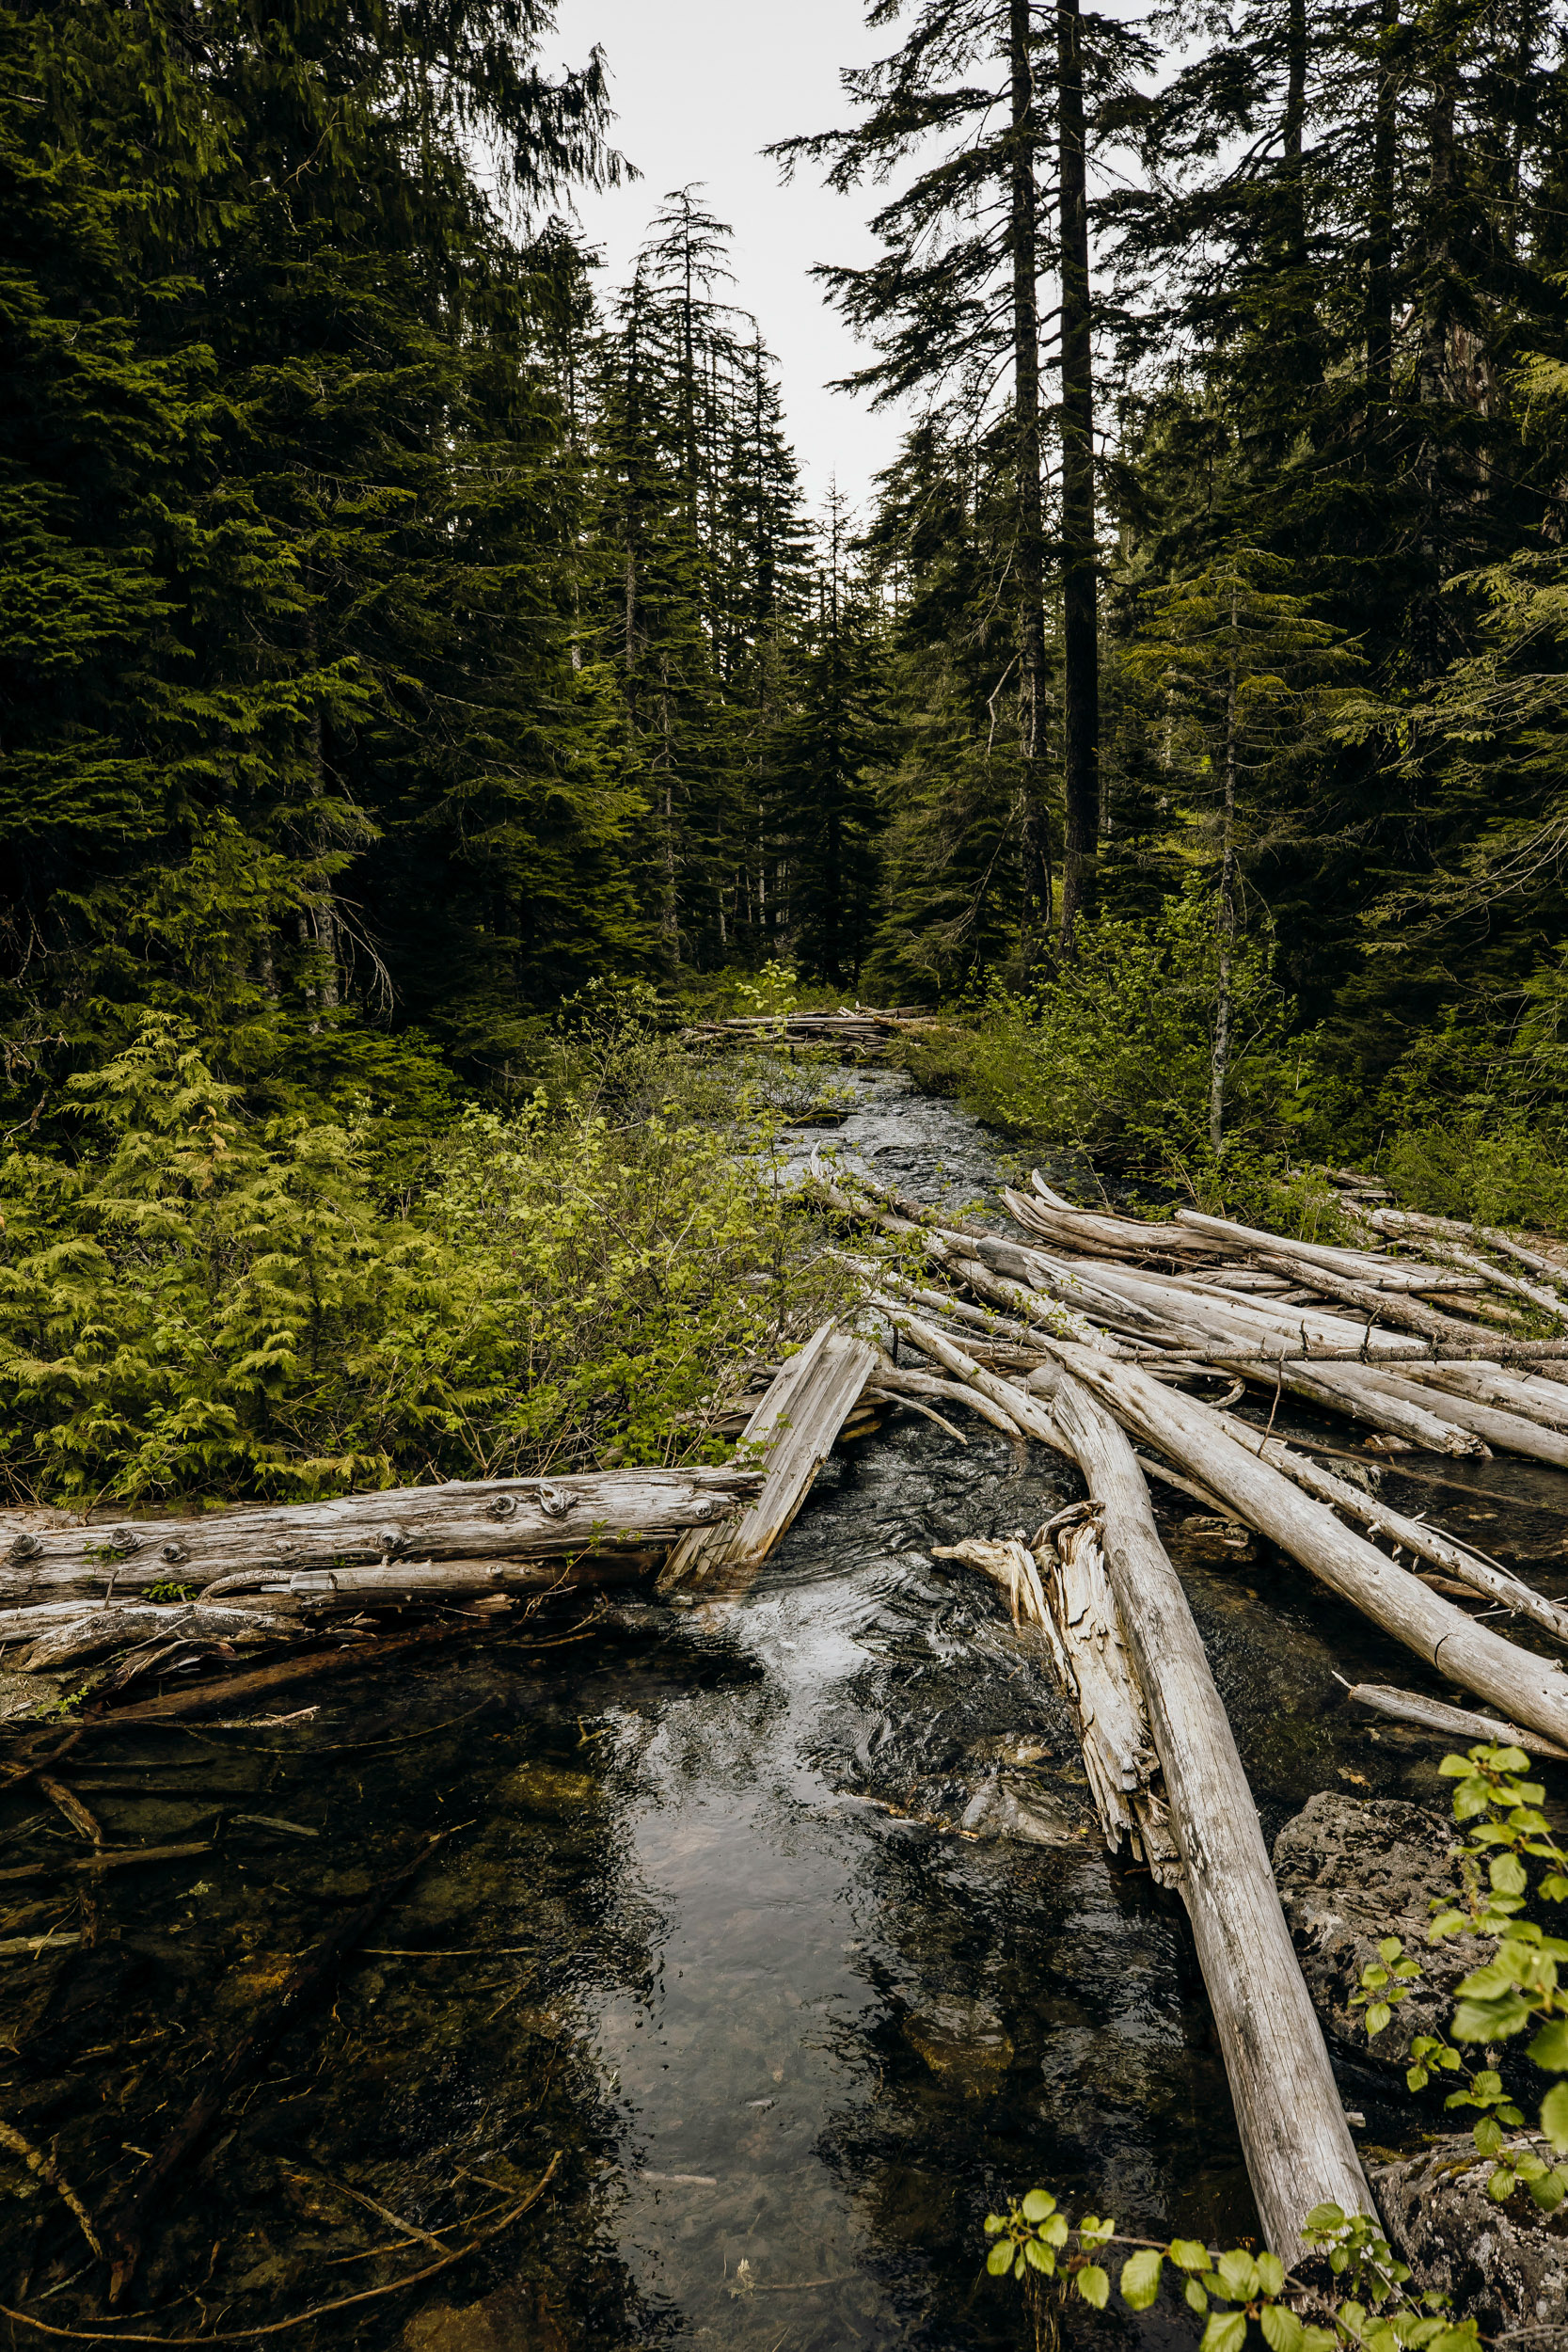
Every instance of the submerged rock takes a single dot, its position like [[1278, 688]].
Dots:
[[1352, 1871], [1505, 2266], [964, 2041], [1010, 1804]]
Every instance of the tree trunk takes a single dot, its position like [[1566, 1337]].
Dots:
[[1379, 233], [1220, 1061], [1080, 598], [1030, 556]]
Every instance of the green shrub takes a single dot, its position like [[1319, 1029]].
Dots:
[[196, 1305]]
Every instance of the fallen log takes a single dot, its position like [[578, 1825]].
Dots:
[[1525, 1688], [1341, 1389], [1084, 1626], [91, 1635], [1510, 1432], [501, 1519], [1489, 1384], [1390, 1306], [1288, 2112], [792, 1432], [1051, 1214], [1452, 1723], [1396, 1222], [1452, 1253], [898, 1380], [1483, 1577]]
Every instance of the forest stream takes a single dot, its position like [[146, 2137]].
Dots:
[[784, 1919]]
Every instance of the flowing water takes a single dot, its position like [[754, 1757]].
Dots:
[[783, 1920]]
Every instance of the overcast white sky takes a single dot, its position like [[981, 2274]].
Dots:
[[700, 87]]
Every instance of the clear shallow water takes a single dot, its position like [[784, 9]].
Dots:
[[708, 1923]]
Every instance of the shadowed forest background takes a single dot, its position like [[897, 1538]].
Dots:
[[401, 646]]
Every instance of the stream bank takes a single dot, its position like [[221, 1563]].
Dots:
[[784, 1920]]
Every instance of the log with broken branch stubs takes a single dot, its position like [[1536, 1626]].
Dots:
[[1528, 1689], [1288, 2112], [496, 1519]]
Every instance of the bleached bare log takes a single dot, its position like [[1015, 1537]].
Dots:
[[1400, 1221], [900, 1381], [1288, 2112], [1031, 1417], [1488, 1384], [792, 1432], [1483, 1577], [1342, 1389], [1511, 1433], [1525, 1688], [104, 1629], [501, 1519], [1449, 1722]]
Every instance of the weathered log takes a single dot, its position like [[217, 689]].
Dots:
[[1031, 1417], [898, 1379], [1093, 1227], [1397, 1221], [1452, 1723], [1084, 1626], [792, 1432], [501, 1519], [1288, 2112], [1423, 1542], [1488, 1384], [1341, 1389], [1510, 1432], [1525, 1688], [1225, 1234], [1389, 1306], [101, 1630], [1550, 1302]]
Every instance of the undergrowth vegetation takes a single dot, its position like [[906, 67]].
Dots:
[[195, 1302], [1108, 1057]]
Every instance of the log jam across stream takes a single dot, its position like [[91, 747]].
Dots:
[[786, 1921]]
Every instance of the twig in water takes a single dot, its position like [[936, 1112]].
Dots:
[[300, 2319], [47, 2169]]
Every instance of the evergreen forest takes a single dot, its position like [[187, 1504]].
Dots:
[[426, 688]]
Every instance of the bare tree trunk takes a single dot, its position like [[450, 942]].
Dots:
[[1080, 598], [1029, 557], [1380, 232], [1220, 1062]]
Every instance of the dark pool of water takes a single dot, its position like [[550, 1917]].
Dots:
[[708, 1922]]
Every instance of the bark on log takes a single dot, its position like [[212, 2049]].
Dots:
[[1525, 1688], [1452, 1723], [1288, 2113], [793, 1430], [501, 1519]]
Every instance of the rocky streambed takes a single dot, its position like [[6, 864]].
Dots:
[[781, 1926]]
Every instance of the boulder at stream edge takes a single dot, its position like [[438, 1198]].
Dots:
[[1352, 1871]]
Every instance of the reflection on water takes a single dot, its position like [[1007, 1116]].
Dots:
[[709, 1921]]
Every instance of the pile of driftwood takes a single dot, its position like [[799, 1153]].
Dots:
[[857, 1032], [1126, 1345]]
